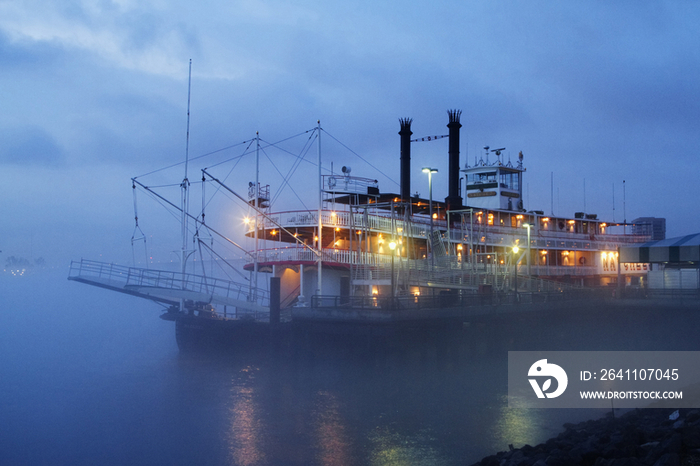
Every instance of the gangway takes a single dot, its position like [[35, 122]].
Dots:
[[170, 287]]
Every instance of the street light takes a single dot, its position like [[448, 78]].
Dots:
[[392, 246], [515, 271], [528, 226], [430, 172]]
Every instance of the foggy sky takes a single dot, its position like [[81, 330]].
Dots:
[[95, 93]]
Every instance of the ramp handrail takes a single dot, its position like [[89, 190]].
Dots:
[[133, 276]]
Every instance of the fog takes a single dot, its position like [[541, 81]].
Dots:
[[91, 376], [95, 93]]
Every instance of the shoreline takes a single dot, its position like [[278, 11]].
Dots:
[[648, 436]]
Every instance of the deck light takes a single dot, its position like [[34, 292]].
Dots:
[[528, 226]]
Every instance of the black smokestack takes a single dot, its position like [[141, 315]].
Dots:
[[405, 134], [454, 200]]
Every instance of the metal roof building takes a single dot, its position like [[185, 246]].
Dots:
[[679, 250]]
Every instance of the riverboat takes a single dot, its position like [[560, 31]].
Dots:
[[375, 258]]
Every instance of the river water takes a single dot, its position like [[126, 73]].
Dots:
[[89, 376]]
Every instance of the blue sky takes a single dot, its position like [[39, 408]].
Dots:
[[95, 92]]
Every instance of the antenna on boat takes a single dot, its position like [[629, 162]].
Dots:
[[551, 183], [185, 194], [320, 212], [624, 208]]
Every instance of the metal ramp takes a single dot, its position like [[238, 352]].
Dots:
[[170, 287]]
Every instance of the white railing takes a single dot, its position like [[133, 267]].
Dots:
[[301, 254], [376, 223], [419, 228], [448, 273], [121, 276]]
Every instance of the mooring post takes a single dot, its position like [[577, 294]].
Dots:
[[274, 300]]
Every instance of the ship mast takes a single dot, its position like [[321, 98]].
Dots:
[[320, 211], [184, 186], [254, 281]]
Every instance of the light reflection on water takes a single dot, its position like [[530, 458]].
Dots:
[[330, 438], [391, 448], [245, 440], [98, 380]]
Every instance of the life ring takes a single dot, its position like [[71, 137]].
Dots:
[[582, 260], [331, 181]]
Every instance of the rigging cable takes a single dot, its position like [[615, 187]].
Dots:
[[252, 140], [299, 158], [285, 181], [225, 261], [194, 158], [361, 158], [203, 224], [218, 188], [137, 228], [161, 198]]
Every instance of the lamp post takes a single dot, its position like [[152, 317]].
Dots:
[[430, 172], [515, 271], [528, 226], [392, 246]]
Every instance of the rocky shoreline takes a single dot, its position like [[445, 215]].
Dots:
[[654, 437]]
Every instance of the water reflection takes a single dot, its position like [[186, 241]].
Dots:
[[245, 440], [441, 401], [391, 448], [516, 426], [330, 436]]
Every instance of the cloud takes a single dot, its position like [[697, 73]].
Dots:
[[30, 145], [123, 33]]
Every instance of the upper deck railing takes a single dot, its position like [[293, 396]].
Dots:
[[482, 234], [382, 263]]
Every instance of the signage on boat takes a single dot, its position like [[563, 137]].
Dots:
[[608, 265], [482, 194]]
